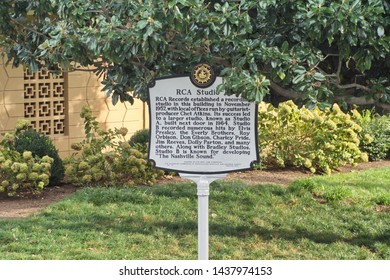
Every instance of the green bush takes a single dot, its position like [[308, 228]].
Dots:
[[22, 172], [40, 145], [375, 136], [317, 140], [105, 157], [140, 137], [140, 140]]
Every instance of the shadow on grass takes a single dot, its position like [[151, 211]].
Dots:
[[70, 217], [182, 227], [322, 237]]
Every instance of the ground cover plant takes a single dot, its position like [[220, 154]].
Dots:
[[343, 216]]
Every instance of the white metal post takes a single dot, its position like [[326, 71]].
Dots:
[[203, 191]]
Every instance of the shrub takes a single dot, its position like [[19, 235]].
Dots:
[[140, 140], [140, 137], [22, 172], [317, 140], [375, 135], [40, 145], [132, 164], [105, 156]]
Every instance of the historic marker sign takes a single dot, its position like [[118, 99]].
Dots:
[[195, 130], [201, 134]]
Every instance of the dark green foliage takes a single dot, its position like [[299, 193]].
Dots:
[[140, 137], [378, 127], [140, 140], [315, 52], [40, 145]]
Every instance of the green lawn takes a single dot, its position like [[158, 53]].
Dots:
[[344, 216]]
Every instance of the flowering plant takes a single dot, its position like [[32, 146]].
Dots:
[[21, 172], [106, 156], [318, 140]]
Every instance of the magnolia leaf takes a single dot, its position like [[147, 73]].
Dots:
[[115, 98], [298, 79], [380, 31], [142, 24], [285, 46], [281, 75], [319, 77], [310, 104]]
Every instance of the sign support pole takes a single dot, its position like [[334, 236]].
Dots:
[[203, 192]]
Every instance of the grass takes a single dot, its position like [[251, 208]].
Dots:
[[343, 216]]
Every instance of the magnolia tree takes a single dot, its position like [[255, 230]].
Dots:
[[315, 52]]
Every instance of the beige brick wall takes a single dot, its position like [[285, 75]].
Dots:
[[81, 88]]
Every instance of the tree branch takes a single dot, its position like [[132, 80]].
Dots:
[[351, 100], [222, 61], [340, 64], [383, 106], [81, 70], [30, 29], [347, 86], [362, 100], [284, 92], [322, 60], [354, 85]]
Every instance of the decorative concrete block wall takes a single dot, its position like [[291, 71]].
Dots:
[[53, 104]]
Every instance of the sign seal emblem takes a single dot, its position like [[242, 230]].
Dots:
[[202, 75]]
